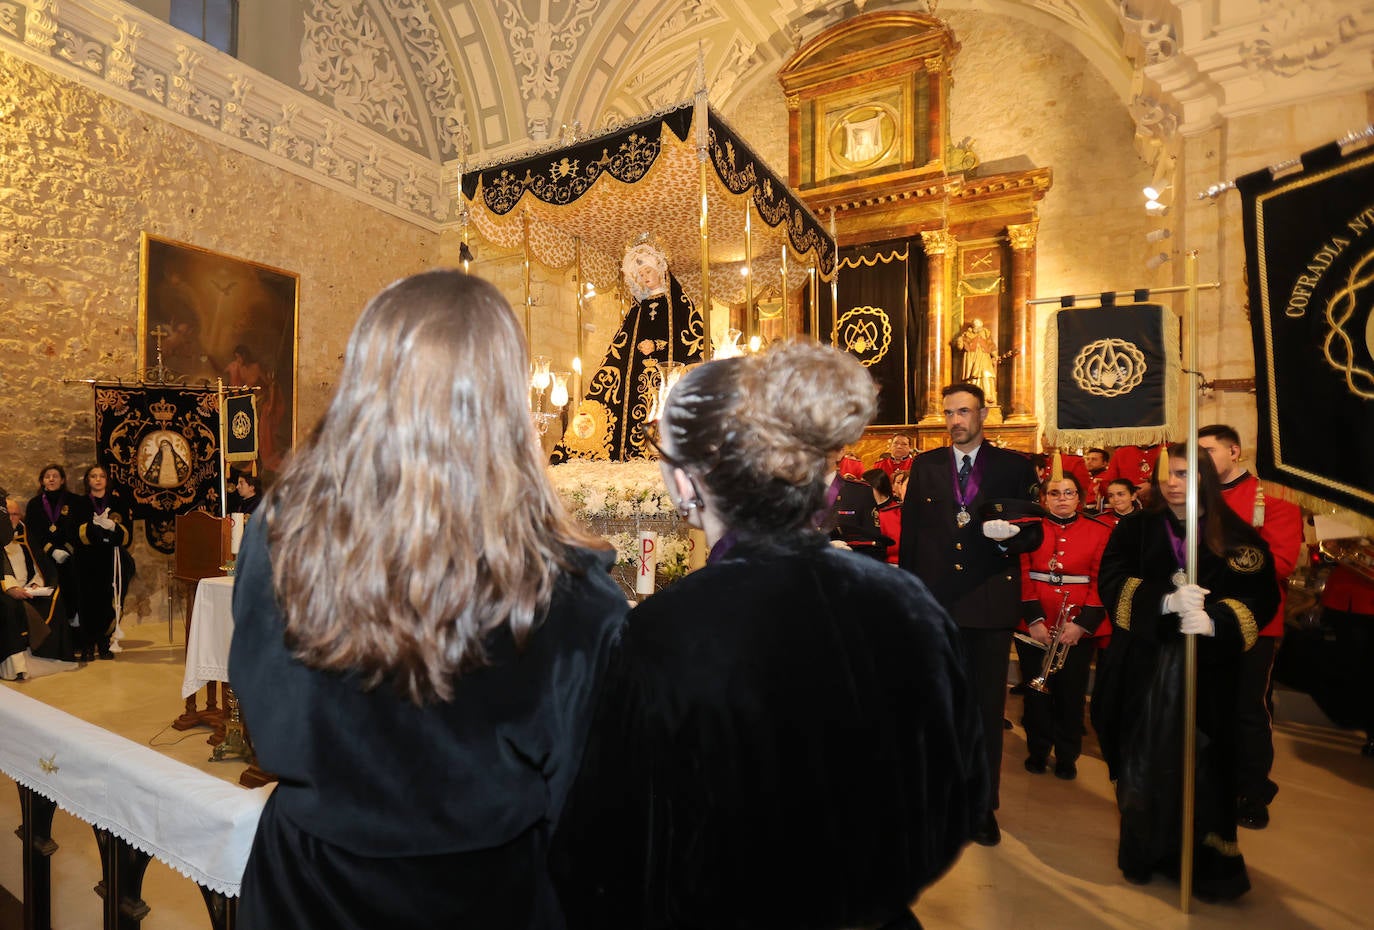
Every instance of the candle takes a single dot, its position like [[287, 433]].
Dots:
[[648, 562], [235, 532]]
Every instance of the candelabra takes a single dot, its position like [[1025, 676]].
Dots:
[[546, 386]]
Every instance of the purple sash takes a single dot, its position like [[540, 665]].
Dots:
[[975, 475]]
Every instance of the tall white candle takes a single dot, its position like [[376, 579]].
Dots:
[[648, 562], [235, 532]]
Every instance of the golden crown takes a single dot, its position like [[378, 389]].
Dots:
[[162, 411]]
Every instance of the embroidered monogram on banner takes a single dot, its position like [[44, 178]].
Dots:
[[1111, 375], [1309, 245]]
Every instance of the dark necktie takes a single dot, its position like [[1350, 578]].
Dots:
[[964, 470]]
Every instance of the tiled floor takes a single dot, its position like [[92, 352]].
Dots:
[[1055, 868]]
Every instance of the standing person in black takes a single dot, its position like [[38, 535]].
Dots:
[[104, 529], [971, 564], [51, 529], [418, 667], [786, 738]]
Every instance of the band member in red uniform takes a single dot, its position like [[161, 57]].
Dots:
[[850, 465], [1095, 493], [1065, 564], [887, 510], [1069, 463], [1280, 525], [900, 447], [1134, 463]]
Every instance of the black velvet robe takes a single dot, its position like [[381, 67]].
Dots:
[[786, 739], [1137, 707], [96, 551], [389, 815]]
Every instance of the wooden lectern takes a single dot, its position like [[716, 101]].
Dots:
[[203, 547]]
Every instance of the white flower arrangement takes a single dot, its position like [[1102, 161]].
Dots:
[[600, 490], [616, 500]]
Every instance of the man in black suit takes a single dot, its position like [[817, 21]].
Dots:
[[971, 564]]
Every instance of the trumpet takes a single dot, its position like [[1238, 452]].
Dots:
[[1057, 651]]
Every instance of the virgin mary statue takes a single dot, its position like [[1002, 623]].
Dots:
[[662, 327]]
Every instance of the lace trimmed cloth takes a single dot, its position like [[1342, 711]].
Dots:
[[198, 824]]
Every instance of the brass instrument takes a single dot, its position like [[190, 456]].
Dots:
[[1355, 553], [1057, 651]]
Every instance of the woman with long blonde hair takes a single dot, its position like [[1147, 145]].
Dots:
[[419, 628]]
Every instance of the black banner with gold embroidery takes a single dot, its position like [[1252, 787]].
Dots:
[[241, 428], [878, 292], [1309, 246], [162, 444], [1111, 376]]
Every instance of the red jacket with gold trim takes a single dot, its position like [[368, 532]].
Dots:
[[1068, 560]]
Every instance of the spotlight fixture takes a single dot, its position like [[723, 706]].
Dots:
[[1155, 208], [1158, 235], [588, 290], [1164, 169], [1156, 190], [1156, 261]]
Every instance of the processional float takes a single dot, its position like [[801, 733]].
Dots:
[[682, 176]]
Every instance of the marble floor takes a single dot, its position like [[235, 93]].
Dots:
[[1055, 868]]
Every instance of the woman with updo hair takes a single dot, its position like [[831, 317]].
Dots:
[[785, 737]]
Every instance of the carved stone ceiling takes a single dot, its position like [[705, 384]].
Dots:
[[475, 81], [527, 68]]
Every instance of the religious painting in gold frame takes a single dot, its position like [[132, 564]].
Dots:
[[871, 129], [224, 317]]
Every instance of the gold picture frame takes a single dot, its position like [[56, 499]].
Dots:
[[224, 317]]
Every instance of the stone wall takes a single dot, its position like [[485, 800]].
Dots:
[[81, 176]]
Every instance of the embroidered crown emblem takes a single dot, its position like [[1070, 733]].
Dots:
[[162, 411]]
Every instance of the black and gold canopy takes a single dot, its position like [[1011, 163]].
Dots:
[[647, 178]]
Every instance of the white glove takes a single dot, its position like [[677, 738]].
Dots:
[[60, 555], [1184, 598], [1197, 621], [1000, 530], [103, 521]]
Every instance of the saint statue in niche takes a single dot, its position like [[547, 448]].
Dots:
[[980, 358]]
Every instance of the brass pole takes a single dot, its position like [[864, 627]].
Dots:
[[1190, 327], [786, 320], [705, 256], [835, 288], [815, 274], [223, 464], [525, 228], [751, 322], [577, 281]]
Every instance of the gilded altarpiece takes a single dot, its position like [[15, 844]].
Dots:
[[870, 152]]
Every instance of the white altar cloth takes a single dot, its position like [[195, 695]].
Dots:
[[212, 628], [196, 823]]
